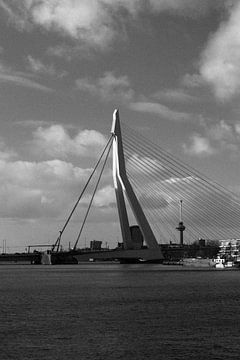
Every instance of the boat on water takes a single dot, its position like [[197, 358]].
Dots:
[[221, 263], [216, 263]]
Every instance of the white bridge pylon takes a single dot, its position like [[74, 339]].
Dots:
[[122, 186]]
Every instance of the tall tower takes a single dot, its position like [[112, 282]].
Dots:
[[181, 227], [122, 186]]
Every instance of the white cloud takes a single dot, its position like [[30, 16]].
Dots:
[[38, 67], [105, 197], [221, 132], [56, 142], [199, 146], [86, 20], [96, 22], [175, 180], [6, 153], [237, 128], [14, 12], [218, 137], [23, 81], [108, 87], [10, 76], [160, 110], [221, 57], [174, 95], [43, 189], [31, 190], [193, 81]]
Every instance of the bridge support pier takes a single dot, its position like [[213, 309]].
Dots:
[[123, 187]]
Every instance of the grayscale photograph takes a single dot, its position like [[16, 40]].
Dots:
[[119, 179]]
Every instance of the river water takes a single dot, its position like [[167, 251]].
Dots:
[[112, 311]]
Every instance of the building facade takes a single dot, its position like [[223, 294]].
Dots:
[[230, 250]]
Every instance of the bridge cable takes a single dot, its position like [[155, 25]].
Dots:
[[180, 185], [165, 191], [193, 185], [57, 243], [179, 164], [94, 192]]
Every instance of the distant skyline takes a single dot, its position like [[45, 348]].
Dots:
[[172, 67]]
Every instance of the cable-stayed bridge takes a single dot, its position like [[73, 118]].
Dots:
[[166, 197], [161, 181]]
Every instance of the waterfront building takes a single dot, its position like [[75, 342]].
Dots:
[[230, 249]]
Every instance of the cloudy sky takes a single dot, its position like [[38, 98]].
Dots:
[[172, 67]]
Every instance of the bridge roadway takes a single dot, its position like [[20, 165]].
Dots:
[[120, 254], [29, 258], [71, 257]]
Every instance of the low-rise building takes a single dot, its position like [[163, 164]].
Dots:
[[230, 250]]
